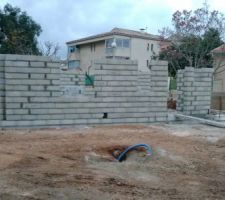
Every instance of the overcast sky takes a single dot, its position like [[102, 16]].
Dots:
[[65, 20]]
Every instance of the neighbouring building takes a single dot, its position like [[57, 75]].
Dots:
[[218, 101], [119, 44]]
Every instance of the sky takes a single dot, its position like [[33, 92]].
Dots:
[[62, 21]]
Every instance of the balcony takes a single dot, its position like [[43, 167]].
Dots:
[[117, 52]]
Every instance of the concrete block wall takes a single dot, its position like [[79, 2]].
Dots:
[[144, 82], [72, 77], [159, 86], [27, 78], [194, 89], [35, 93], [2, 87]]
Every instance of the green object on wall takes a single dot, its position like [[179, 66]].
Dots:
[[173, 84], [89, 80]]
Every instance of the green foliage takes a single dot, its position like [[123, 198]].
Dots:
[[194, 35], [18, 32]]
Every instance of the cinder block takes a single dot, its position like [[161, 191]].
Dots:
[[115, 73], [14, 57], [157, 63], [16, 63], [116, 78], [53, 76], [53, 88], [53, 64], [16, 87], [27, 93], [27, 82], [109, 62], [16, 111], [27, 70], [37, 87], [202, 93], [202, 84], [16, 76], [37, 64], [56, 94], [203, 98], [201, 103], [55, 82], [204, 79], [13, 105], [159, 73], [37, 76], [14, 118], [15, 99], [55, 70]]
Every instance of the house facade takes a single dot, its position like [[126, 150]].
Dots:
[[218, 101], [118, 44]]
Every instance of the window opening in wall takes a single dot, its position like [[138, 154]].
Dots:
[[126, 43], [71, 49], [92, 47], [105, 115], [108, 43], [148, 47], [120, 43], [147, 63], [152, 46]]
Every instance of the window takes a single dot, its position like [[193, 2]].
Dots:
[[126, 43], [72, 64], [119, 42], [148, 47], [152, 46], [93, 47], [147, 63], [108, 43], [71, 49]]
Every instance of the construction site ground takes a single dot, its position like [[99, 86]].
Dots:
[[188, 162]]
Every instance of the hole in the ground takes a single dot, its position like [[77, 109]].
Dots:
[[114, 152]]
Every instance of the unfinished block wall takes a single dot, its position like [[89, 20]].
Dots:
[[38, 92], [194, 88], [2, 87]]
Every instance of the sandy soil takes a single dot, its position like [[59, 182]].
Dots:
[[76, 163]]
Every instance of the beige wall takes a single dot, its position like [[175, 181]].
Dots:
[[218, 97], [86, 56], [219, 74], [139, 51]]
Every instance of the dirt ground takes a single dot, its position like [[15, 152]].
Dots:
[[76, 163]]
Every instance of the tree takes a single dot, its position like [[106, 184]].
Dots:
[[18, 32], [194, 35], [50, 49]]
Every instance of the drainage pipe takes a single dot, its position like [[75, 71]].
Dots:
[[147, 148], [201, 120]]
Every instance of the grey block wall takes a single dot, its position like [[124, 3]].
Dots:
[[2, 87], [37, 92], [194, 88]]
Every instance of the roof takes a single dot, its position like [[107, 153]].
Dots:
[[219, 49], [118, 31]]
